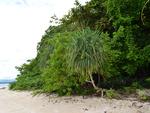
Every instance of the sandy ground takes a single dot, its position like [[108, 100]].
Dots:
[[24, 102]]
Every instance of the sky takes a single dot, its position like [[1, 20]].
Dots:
[[22, 24]]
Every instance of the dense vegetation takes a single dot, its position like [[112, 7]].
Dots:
[[102, 44]]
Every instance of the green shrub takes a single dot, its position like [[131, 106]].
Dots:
[[12, 85], [132, 88], [142, 95], [111, 94], [57, 76]]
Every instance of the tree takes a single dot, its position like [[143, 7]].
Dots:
[[86, 55]]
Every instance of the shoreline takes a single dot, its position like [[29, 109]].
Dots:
[[25, 102], [4, 86]]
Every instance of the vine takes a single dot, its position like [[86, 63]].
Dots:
[[142, 12]]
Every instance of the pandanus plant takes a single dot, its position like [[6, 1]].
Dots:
[[86, 55]]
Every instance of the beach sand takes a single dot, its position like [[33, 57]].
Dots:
[[25, 102]]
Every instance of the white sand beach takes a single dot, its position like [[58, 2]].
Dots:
[[24, 102]]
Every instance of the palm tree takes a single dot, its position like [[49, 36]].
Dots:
[[86, 55]]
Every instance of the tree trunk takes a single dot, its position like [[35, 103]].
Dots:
[[95, 87], [93, 83]]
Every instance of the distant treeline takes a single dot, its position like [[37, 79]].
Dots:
[[102, 44]]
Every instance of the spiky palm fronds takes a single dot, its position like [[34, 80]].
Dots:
[[86, 55]]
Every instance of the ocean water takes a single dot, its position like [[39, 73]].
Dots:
[[4, 85], [5, 82]]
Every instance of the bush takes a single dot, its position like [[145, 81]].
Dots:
[[57, 76], [142, 95], [111, 94]]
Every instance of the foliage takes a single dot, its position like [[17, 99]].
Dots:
[[104, 41], [111, 94], [56, 75], [142, 95], [86, 55], [29, 77], [132, 88]]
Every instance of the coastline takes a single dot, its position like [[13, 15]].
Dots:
[[3, 86], [25, 102]]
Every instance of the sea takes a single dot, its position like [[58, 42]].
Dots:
[[5, 83]]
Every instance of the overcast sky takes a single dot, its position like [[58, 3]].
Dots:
[[22, 24]]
